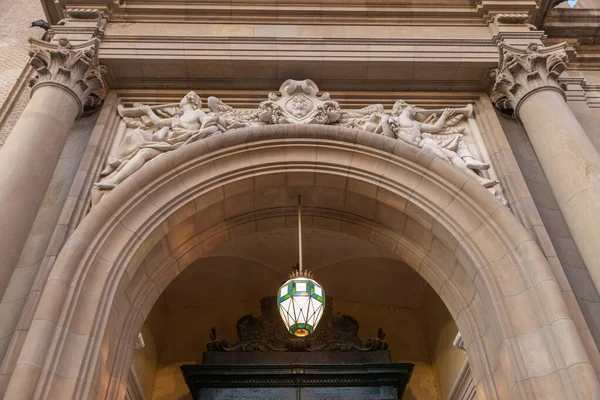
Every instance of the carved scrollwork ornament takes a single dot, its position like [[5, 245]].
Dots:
[[523, 72], [336, 333], [74, 68]]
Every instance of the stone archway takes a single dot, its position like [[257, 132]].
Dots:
[[520, 338]]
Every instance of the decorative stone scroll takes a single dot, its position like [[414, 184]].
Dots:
[[522, 72], [336, 332], [159, 129], [75, 68]]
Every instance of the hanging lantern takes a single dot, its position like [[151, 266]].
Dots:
[[301, 301]]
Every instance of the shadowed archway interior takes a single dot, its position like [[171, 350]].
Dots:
[[364, 280]]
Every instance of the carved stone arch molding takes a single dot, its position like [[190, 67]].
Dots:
[[520, 338]]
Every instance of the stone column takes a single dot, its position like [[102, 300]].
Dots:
[[68, 80], [527, 82]]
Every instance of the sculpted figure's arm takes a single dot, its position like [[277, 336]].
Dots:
[[158, 122], [439, 124], [405, 128]]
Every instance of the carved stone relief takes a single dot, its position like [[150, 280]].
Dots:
[[336, 332], [73, 67], [155, 130], [524, 71], [299, 104]]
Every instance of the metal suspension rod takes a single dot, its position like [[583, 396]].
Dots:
[[299, 233]]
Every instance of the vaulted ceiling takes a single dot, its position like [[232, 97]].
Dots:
[[256, 265]]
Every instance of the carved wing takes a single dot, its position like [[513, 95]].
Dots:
[[365, 119], [235, 118], [372, 109], [454, 120], [450, 125], [217, 106]]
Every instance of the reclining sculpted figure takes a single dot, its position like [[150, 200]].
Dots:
[[437, 135], [149, 140]]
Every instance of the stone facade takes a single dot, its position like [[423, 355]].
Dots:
[[15, 30], [450, 177]]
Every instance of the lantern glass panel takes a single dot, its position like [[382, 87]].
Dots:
[[301, 302]]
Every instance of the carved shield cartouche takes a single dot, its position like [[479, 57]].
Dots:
[[299, 104]]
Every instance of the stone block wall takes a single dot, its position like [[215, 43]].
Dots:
[[15, 19]]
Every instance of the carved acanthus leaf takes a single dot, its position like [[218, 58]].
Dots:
[[522, 71], [74, 67]]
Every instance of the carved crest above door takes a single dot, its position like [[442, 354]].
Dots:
[[299, 104]]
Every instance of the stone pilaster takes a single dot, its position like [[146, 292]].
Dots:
[[68, 82], [527, 82]]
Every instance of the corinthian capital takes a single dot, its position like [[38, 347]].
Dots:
[[522, 72], [74, 68]]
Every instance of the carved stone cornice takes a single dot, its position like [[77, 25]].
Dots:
[[523, 72], [80, 22], [74, 68], [86, 13], [512, 19]]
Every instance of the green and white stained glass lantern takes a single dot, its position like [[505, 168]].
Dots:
[[301, 302]]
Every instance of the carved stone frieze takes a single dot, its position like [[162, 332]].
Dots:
[[74, 68], [154, 130], [439, 134], [336, 332], [522, 72]]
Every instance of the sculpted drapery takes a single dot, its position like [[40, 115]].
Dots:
[[161, 129], [142, 145]]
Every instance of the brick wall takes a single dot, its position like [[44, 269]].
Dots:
[[15, 18]]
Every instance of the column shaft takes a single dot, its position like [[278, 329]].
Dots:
[[27, 163], [572, 166], [68, 79]]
